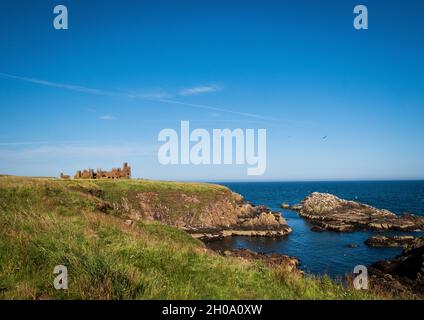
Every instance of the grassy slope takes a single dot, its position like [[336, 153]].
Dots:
[[46, 222]]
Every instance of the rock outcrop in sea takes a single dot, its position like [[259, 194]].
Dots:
[[328, 212], [389, 241]]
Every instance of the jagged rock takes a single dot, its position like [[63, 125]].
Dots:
[[238, 197], [403, 274], [329, 212], [394, 241], [296, 207], [317, 229], [252, 221], [261, 208], [210, 237], [264, 221]]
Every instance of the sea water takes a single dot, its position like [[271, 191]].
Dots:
[[327, 252]]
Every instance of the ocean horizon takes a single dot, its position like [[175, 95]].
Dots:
[[303, 180]]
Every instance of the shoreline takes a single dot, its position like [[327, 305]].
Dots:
[[180, 212]]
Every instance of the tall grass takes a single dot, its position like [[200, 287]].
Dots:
[[44, 223]]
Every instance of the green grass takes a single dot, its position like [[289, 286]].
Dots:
[[45, 222]]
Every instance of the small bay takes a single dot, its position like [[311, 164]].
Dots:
[[335, 254]]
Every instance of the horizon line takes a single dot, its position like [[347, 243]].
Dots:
[[249, 181]]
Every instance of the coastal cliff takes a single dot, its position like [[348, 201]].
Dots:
[[206, 211], [403, 274], [117, 248]]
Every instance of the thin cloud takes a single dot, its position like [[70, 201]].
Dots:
[[59, 85], [21, 143], [199, 90], [131, 96], [150, 95], [207, 107], [107, 117]]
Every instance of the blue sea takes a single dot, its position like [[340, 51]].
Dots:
[[327, 252]]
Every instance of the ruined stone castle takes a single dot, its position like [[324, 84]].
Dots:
[[116, 173]]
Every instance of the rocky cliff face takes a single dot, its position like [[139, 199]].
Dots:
[[328, 212], [403, 274], [218, 214]]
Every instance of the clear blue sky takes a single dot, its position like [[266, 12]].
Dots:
[[98, 94]]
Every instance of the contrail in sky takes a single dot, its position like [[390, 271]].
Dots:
[[111, 93]]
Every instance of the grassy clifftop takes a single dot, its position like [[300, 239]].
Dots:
[[82, 225]]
